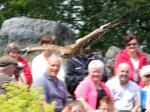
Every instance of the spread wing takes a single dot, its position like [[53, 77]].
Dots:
[[79, 46], [96, 34]]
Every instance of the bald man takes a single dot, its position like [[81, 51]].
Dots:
[[124, 91]]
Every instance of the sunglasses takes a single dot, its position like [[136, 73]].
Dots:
[[147, 76], [132, 44]]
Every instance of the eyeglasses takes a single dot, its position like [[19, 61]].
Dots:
[[147, 76], [132, 44], [14, 51]]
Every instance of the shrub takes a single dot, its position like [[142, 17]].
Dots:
[[20, 99]]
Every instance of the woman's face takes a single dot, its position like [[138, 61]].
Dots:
[[14, 55], [132, 45], [95, 74]]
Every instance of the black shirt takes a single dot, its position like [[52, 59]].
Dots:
[[101, 93]]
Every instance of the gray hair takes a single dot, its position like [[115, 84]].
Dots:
[[96, 64], [54, 55]]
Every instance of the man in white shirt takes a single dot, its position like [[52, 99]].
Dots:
[[124, 91]]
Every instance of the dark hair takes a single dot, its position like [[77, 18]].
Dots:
[[128, 38], [46, 40]]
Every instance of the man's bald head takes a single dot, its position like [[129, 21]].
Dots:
[[122, 72], [123, 65]]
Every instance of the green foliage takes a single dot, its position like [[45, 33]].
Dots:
[[20, 99], [41, 9], [93, 14]]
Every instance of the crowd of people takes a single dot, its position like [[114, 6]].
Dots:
[[84, 78]]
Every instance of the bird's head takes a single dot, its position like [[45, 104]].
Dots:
[[65, 56], [23, 51]]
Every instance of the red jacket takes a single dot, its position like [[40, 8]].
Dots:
[[27, 70], [123, 56]]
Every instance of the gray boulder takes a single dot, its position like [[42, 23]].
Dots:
[[28, 31], [112, 52], [109, 59]]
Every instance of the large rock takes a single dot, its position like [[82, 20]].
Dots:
[[112, 52], [28, 31], [109, 59]]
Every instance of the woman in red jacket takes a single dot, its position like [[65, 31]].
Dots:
[[12, 51], [133, 57]]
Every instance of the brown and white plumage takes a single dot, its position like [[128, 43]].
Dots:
[[78, 47]]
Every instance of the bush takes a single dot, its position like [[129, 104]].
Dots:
[[20, 99]]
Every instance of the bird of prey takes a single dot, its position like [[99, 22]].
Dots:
[[78, 47]]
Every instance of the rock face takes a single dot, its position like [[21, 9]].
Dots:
[[109, 58], [28, 31]]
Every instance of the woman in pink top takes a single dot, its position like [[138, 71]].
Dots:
[[133, 57], [91, 90]]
